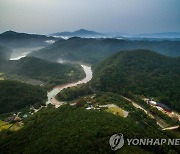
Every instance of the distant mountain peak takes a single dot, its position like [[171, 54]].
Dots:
[[82, 30], [86, 32], [78, 33], [9, 32]]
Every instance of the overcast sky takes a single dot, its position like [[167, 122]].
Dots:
[[126, 16]]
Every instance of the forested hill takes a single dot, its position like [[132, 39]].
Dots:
[[140, 72], [4, 52], [42, 70], [16, 95], [69, 129], [93, 50], [13, 39]]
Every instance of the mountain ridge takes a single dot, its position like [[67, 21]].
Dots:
[[91, 50], [14, 39]]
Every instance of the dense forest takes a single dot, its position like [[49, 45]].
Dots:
[[71, 129], [140, 72], [48, 72], [111, 88], [16, 95], [4, 52], [93, 50], [72, 93]]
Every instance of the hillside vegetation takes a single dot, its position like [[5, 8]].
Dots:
[[48, 72], [74, 130], [16, 95], [140, 72], [94, 50], [72, 93]]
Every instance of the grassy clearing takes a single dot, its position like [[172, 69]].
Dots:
[[16, 126], [116, 110], [4, 125], [13, 127], [1, 76]]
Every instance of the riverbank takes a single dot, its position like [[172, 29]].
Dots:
[[52, 94]]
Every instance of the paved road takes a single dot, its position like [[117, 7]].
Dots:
[[141, 108], [171, 128]]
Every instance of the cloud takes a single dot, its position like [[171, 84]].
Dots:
[[133, 16]]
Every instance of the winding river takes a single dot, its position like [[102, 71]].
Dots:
[[52, 94]]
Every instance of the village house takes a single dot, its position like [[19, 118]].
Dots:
[[159, 106]]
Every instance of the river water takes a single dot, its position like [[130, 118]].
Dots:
[[52, 94], [20, 53]]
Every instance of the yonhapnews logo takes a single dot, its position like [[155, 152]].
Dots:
[[117, 141]]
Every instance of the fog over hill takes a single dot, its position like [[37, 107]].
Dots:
[[78, 33], [93, 34], [13, 39], [5, 53], [166, 35], [91, 50], [28, 68]]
